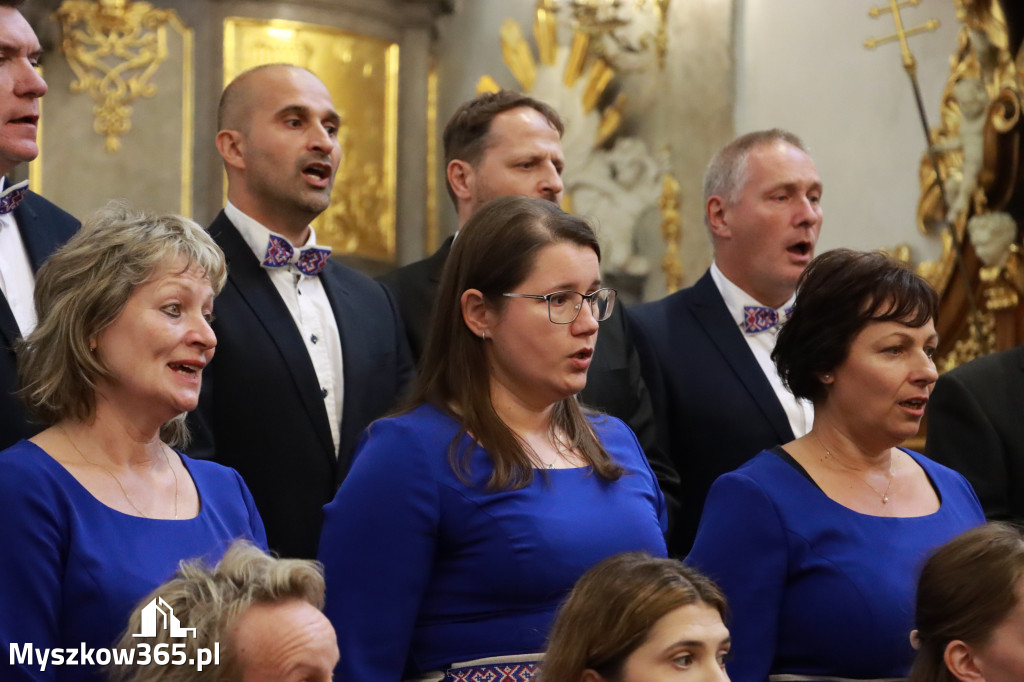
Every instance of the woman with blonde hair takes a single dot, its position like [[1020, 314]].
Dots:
[[99, 508], [638, 618]]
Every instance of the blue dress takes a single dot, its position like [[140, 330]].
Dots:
[[424, 570], [72, 569], [815, 588]]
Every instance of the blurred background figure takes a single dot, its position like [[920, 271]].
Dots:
[[817, 544], [264, 613], [98, 508], [970, 608], [637, 618], [469, 516]]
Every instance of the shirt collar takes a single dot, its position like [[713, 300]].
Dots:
[[255, 234], [736, 299]]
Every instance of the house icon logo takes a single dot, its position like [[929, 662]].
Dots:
[[159, 613]]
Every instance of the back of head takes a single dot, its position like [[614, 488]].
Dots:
[[83, 288], [966, 589], [839, 293], [465, 134], [613, 607], [726, 173], [211, 599]]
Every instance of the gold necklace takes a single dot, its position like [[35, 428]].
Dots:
[[118, 481], [884, 495]]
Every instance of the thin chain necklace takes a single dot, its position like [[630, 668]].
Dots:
[[883, 495], [118, 481]]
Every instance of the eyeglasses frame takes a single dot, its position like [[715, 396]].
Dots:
[[589, 298]]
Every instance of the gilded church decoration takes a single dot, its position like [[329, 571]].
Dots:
[[114, 47], [361, 73], [969, 177], [582, 47]]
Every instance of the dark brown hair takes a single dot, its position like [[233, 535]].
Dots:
[[495, 252], [466, 135], [612, 608], [839, 293], [967, 588]]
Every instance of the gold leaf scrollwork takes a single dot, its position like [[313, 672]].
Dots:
[[114, 47]]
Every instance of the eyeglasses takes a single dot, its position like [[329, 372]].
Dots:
[[564, 306]]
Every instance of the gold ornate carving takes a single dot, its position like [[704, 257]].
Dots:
[[516, 54], [361, 74], [114, 47], [671, 229], [981, 340], [433, 227]]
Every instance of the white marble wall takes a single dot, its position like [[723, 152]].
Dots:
[[801, 65]]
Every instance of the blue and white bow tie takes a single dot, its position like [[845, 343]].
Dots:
[[12, 196], [309, 260], [757, 319]]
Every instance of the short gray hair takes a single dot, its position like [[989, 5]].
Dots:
[[726, 174], [83, 288], [211, 600]]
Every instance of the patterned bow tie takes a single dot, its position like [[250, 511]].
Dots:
[[758, 319], [12, 196], [309, 260]]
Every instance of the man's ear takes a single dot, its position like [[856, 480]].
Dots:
[[961, 661], [461, 178], [475, 312], [232, 148], [715, 209]]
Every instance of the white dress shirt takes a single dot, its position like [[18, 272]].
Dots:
[[800, 413], [17, 281], [309, 306]]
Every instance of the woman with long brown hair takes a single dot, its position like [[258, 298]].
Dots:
[[468, 517]]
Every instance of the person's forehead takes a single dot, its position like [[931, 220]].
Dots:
[[15, 32]]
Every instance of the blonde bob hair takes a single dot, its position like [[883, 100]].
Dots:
[[84, 287], [211, 599]]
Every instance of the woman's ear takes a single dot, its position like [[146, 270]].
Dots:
[[961, 661], [475, 312], [591, 676]]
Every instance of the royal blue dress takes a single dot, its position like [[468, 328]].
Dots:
[[72, 569], [424, 570], [816, 589]]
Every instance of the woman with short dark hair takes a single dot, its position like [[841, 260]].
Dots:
[[638, 618], [970, 608], [468, 517], [817, 543]]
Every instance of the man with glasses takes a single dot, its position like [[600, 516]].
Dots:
[[505, 143], [707, 349]]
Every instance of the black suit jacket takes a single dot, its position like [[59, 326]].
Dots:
[[713, 404], [44, 228], [261, 410], [975, 426], [614, 382]]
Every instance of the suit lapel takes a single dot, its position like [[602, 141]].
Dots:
[[709, 309], [263, 300]]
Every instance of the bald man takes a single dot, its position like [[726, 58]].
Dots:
[[309, 351]]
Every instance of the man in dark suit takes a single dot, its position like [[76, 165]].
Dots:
[[506, 143], [706, 350], [34, 228], [975, 427], [309, 351]]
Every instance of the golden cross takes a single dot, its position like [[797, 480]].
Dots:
[[901, 34]]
